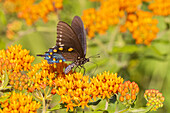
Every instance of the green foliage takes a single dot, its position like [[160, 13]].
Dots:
[[3, 20]]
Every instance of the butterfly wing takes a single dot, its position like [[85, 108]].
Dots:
[[53, 55], [68, 40], [78, 27], [70, 43]]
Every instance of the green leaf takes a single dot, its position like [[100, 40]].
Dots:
[[3, 18], [140, 110], [2, 44], [111, 108], [101, 105], [6, 80], [2, 99], [126, 49], [161, 22], [57, 107]]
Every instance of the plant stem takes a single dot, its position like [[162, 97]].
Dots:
[[114, 34], [74, 111], [101, 45], [44, 107], [106, 105], [123, 111]]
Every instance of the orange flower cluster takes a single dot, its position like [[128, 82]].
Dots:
[[18, 81], [19, 103], [20, 57], [32, 11], [12, 28], [99, 20], [130, 6], [43, 74], [76, 90], [105, 85], [5, 66], [143, 28], [108, 14], [127, 92], [154, 98], [160, 7]]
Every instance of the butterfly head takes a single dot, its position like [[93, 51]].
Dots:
[[87, 60]]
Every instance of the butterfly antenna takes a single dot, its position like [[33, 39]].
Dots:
[[95, 56]]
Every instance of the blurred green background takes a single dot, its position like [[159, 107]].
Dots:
[[148, 66]]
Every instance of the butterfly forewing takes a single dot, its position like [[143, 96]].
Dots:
[[67, 38], [78, 27]]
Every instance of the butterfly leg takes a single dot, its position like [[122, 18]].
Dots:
[[83, 69], [79, 69], [75, 68]]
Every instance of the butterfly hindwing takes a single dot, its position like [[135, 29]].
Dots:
[[53, 55]]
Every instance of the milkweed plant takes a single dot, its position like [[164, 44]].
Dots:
[[44, 87], [133, 26]]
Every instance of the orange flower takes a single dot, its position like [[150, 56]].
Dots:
[[18, 80], [31, 11], [19, 102], [18, 56], [142, 27], [105, 85], [12, 62], [44, 74], [96, 21], [108, 14], [74, 90], [154, 98], [127, 92], [160, 7], [13, 28]]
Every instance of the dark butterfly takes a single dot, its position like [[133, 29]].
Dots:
[[70, 45]]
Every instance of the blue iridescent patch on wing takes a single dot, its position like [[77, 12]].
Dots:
[[53, 57]]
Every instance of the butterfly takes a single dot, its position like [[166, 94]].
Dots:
[[70, 45]]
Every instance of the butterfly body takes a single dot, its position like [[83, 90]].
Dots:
[[70, 45], [77, 63]]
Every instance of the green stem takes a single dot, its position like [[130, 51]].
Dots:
[[45, 94], [101, 45], [44, 107], [107, 102], [48, 91], [114, 34], [123, 111], [75, 110], [36, 96], [49, 97]]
